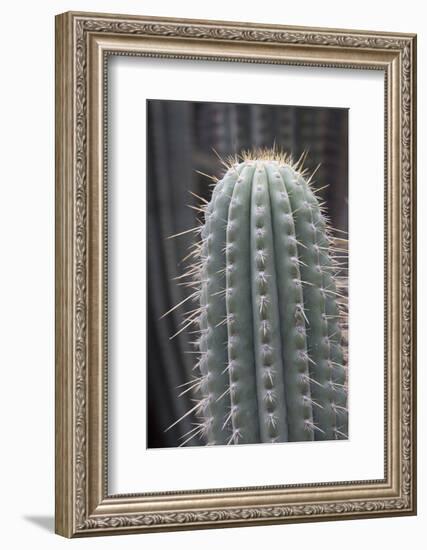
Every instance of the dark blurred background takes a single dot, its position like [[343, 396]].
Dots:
[[181, 139]]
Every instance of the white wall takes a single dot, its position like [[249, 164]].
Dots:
[[27, 267]]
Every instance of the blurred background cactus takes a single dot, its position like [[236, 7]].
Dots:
[[181, 136]]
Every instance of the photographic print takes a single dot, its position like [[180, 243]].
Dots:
[[247, 268]]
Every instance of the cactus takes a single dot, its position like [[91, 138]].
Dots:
[[271, 357]]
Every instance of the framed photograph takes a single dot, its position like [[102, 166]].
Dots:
[[235, 274]]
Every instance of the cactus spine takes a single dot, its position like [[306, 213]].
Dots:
[[271, 358]]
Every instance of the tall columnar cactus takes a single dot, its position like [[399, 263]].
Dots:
[[271, 357]]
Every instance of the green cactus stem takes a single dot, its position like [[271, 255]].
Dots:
[[270, 310]]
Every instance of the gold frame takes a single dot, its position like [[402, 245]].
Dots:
[[83, 43]]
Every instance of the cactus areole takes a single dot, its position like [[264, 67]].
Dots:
[[271, 358]]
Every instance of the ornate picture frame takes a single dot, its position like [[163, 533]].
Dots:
[[84, 43]]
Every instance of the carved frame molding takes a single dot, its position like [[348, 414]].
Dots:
[[83, 43]]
